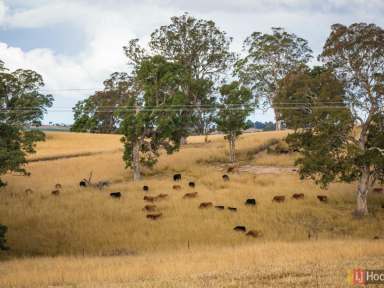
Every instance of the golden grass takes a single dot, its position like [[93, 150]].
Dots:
[[276, 264], [154, 253]]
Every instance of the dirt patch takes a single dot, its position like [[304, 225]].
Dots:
[[254, 169]]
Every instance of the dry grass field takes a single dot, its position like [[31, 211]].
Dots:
[[84, 238]]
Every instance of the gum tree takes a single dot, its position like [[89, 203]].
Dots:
[[203, 50], [269, 57], [150, 117], [234, 108], [326, 132], [21, 106]]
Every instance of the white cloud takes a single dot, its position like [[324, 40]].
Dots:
[[107, 25]]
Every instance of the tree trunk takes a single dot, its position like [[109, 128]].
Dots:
[[183, 140], [278, 121], [232, 150], [362, 192], [136, 162]]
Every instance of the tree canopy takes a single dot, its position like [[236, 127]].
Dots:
[[21, 106], [268, 58], [234, 110]]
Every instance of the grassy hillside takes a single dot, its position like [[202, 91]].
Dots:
[[88, 223]]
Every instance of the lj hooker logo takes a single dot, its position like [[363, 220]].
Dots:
[[364, 277]]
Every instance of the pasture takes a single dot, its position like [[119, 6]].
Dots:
[[100, 241]]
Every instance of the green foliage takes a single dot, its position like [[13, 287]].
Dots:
[[269, 58], [97, 113], [3, 241], [157, 119], [234, 110], [21, 105], [323, 135], [203, 50]]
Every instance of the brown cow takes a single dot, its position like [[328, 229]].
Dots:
[[220, 207], [149, 198], [154, 216], [191, 184], [253, 233], [205, 205], [176, 187], [233, 209], [190, 195], [278, 199], [225, 177], [240, 229], [298, 196], [322, 198], [58, 186], [55, 192], [150, 208]]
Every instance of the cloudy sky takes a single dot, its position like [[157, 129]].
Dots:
[[76, 44]]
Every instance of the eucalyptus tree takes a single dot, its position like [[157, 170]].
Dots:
[[339, 123], [268, 59], [234, 108], [152, 116], [22, 105], [204, 52]]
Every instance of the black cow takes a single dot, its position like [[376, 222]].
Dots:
[[322, 198], [191, 184], [83, 183], [115, 194], [177, 177], [240, 228], [250, 202], [145, 188], [220, 207], [233, 209], [225, 177]]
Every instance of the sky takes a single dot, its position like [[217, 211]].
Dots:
[[76, 44]]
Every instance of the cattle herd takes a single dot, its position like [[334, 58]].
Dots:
[[153, 212]]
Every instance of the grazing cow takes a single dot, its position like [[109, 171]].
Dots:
[[55, 192], [145, 188], [250, 202], [149, 198], [161, 196], [58, 186], [115, 194], [278, 199], [225, 177], [378, 190], [240, 229], [154, 216], [220, 207], [177, 177], [233, 209], [176, 187], [205, 205], [28, 191], [298, 196], [253, 233], [232, 169], [150, 208], [376, 238], [83, 183], [191, 184], [190, 195], [322, 198]]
